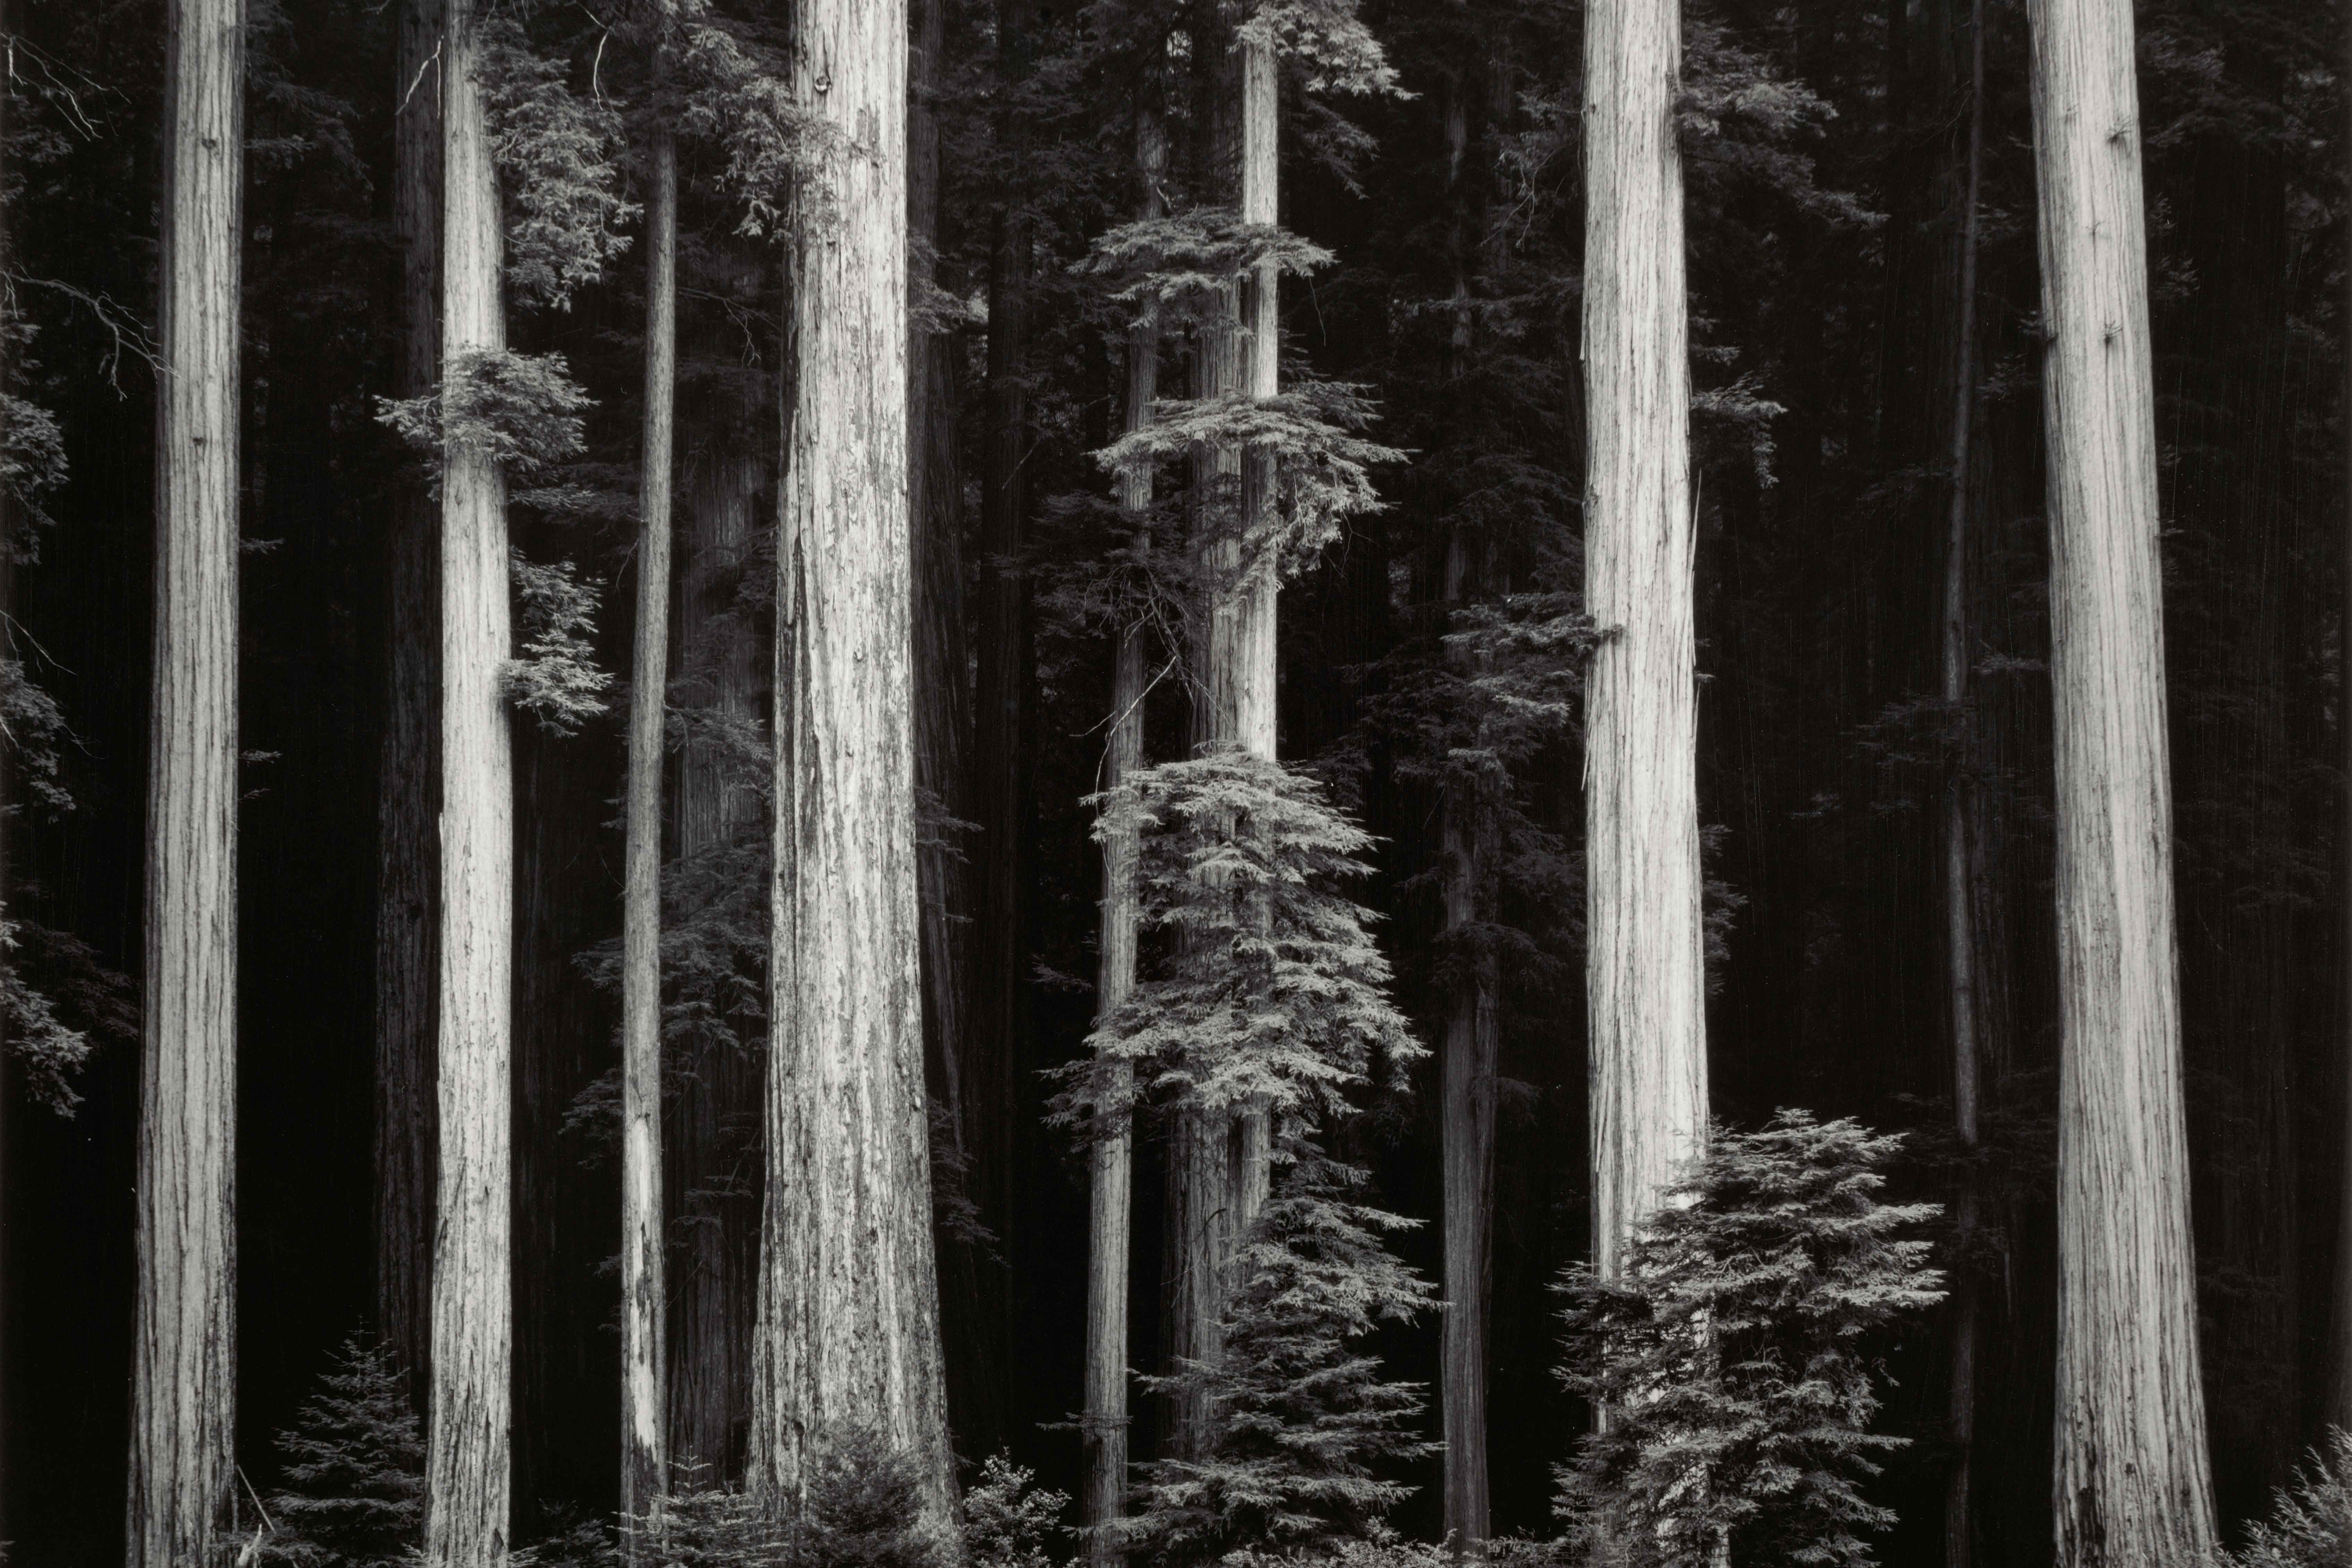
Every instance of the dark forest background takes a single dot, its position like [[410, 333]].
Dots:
[[1826, 142]]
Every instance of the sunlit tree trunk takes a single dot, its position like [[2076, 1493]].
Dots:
[[1960, 866], [468, 1451], [1647, 981], [406, 835], [1219, 1164], [183, 1359], [1111, 1157], [848, 1314], [2132, 1485], [645, 1459]]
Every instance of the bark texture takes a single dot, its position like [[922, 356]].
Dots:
[[715, 1154], [184, 1360], [2339, 1394], [407, 849], [1645, 956], [467, 1453], [645, 1459], [848, 1311], [2131, 1485]]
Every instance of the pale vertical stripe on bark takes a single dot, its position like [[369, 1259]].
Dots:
[[2131, 1486], [848, 1325], [1111, 1157], [645, 1459], [406, 848], [468, 1455], [183, 1359], [1645, 954]]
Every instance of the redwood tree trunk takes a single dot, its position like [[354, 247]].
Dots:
[[1645, 962], [1111, 1156], [183, 1361], [2132, 1485], [848, 1318], [467, 1453], [644, 1460], [405, 829]]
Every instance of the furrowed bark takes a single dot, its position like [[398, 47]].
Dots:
[[2339, 1402], [1111, 1156], [848, 1326], [2131, 1483], [1958, 807], [715, 1154], [1646, 986], [405, 829], [645, 1459], [184, 1360], [468, 1452], [1219, 1164]]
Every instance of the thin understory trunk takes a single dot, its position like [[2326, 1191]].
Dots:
[[2339, 1404], [1111, 1156], [644, 1460], [468, 1453], [1959, 880], [184, 1363], [2131, 1484]]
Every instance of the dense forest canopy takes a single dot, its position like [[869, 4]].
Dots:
[[912, 780]]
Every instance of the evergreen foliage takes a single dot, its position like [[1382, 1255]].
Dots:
[[1304, 1411], [555, 675], [559, 156], [354, 1494], [864, 1509], [1736, 1356], [2310, 1524], [1008, 1518]]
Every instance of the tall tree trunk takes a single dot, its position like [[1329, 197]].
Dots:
[[715, 1152], [1000, 744], [1220, 1164], [1959, 807], [467, 1453], [2339, 1402], [405, 848], [2132, 1485], [848, 1325], [183, 1364], [1645, 963], [1111, 1156], [1473, 1041], [644, 1460]]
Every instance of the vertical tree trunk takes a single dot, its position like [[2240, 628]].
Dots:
[[1472, 1044], [1111, 1157], [184, 1363], [2131, 1484], [1959, 806], [468, 1452], [1219, 1166], [2339, 1402], [1645, 957], [848, 1327], [405, 846], [644, 1460], [715, 1152]]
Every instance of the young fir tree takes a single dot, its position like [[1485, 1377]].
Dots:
[[1731, 1351], [2310, 1524], [354, 1496]]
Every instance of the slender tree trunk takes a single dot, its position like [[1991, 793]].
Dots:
[[715, 1153], [1958, 804], [468, 1454], [2132, 1485], [2339, 1402], [848, 1328], [1220, 1166], [1645, 949], [1472, 1039], [405, 829], [1111, 1157], [645, 1459], [184, 1363]]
